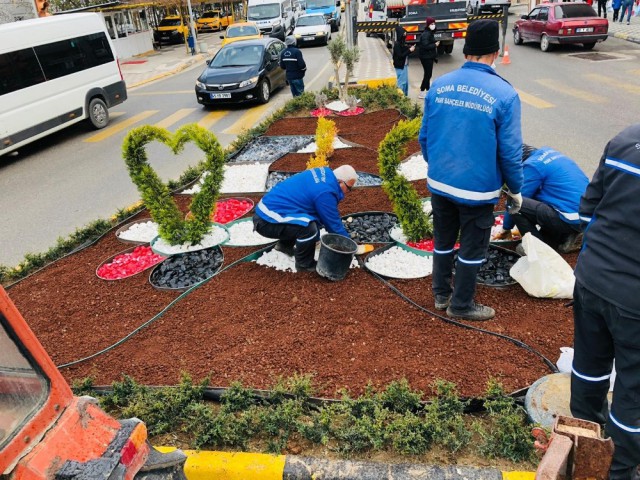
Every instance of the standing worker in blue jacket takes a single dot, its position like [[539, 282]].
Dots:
[[294, 210], [472, 141], [553, 185], [606, 309], [291, 60]]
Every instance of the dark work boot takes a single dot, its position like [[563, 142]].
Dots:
[[442, 302], [476, 313], [286, 249], [572, 243], [308, 268]]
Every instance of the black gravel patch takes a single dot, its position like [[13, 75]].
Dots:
[[494, 272], [270, 149], [186, 269], [370, 227], [276, 177]]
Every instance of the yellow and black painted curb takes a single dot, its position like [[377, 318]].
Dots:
[[499, 17], [208, 465]]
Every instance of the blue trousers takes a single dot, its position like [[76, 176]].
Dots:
[[297, 87]]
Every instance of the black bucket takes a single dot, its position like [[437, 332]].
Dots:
[[336, 254]]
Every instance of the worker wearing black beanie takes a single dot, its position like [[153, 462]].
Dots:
[[468, 165], [483, 37]]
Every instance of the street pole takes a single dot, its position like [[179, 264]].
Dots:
[[349, 26], [191, 26]]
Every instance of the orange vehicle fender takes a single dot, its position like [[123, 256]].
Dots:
[[83, 433]]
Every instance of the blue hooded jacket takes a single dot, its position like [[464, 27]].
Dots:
[[553, 178], [312, 195], [471, 135]]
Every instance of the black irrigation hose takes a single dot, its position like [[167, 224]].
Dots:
[[516, 342], [157, 315]]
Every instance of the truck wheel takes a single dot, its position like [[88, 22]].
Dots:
[[98, 113], [440, 49], [448, 49]]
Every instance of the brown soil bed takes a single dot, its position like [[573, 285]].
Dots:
[[253, 323]]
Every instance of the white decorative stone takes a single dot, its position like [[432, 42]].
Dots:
[[140, 232], [216, 236], [241, 234], [244, 178], [399, 263], [313, 146], [414, 169]]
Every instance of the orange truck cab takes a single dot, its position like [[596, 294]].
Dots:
[[46, 432]]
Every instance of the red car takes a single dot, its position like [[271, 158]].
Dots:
[[560, 23]]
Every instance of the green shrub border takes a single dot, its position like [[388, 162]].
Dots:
[[378, 98]]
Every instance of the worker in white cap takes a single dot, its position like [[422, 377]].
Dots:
[[294, 210]]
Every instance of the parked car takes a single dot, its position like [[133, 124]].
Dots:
[[213, 20], [312, 28], [240, 31], [493, 6], [172, 29], [561, 23], [243, 71]]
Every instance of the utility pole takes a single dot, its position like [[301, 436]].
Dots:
[[349, 26], [191, 25]]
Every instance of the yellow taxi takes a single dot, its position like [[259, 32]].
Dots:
[[240, 31], [213, 20], [172, 29]]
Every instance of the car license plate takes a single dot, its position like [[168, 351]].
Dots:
[[308, 38], [441, 35], [584, 30], [219, 95]]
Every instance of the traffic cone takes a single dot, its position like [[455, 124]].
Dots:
[[505, 59]]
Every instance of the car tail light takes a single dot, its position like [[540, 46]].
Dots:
[[459, 34], [119, 69], [411, 37]]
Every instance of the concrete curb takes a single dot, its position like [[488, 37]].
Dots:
[[178, 68], [625, 36], [203, 465]]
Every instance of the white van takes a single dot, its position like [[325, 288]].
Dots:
[[54, 72], [274, 18]]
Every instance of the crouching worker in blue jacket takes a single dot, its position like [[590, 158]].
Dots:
[[553, 185], [293, 211]]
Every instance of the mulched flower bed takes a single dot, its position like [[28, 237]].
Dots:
[[253, 324]]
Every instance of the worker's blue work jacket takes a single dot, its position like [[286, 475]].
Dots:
[[471, 135], [312, 195], [553, 178]]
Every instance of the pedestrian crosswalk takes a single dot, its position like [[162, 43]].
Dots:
[[540, 94]]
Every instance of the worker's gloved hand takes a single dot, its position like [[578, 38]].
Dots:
[[364, 248], [503, 235], [514, 202]]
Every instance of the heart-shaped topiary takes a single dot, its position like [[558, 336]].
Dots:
[[157, 196], [406, 201]]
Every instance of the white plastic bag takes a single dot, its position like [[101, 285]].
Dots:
[[565, 363], [542, 272]]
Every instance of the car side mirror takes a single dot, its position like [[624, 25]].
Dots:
[[524, 17], [207, 62]]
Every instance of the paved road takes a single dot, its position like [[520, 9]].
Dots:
[[570, 102]]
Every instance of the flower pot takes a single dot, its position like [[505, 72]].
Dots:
[[336, 254]]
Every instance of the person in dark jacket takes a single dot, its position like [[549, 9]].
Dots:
[[291, 60], [468, 164], [606, 309], [294, 209], [400, 55], [553, 185], [427, 53]]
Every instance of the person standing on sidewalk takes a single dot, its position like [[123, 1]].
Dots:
[[400, 56], [615, 4], [427, 53], [628, 6], [602, 8], [471, 139], [606, 309], [291, 60]]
